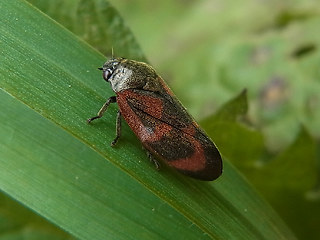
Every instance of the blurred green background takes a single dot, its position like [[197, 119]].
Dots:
[[221, 47], [208, 51]]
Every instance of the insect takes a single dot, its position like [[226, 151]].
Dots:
[[159, 120]]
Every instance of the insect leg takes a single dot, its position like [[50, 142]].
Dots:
[[118, 129], [153, 160], [104, 108]]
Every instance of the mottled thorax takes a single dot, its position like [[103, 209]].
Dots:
[[129, 74]]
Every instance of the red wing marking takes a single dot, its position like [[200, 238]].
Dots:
[[196, 162], [151, 107], [181, 144]]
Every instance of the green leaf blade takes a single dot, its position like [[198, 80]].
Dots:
[[57, 80], [64, 180]]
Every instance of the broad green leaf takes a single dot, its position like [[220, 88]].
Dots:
[[18, 222], [52, 72], [62, 179]]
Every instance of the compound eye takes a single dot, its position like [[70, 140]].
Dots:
[[107, 74]]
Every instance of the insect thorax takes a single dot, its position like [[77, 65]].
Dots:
[[131, 74]]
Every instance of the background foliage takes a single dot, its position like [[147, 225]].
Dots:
[[207, 51], [220, 47]]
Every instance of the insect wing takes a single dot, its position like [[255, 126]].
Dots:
[[169, 132]]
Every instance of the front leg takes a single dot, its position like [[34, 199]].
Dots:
[[118, 129], [103, 109]]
